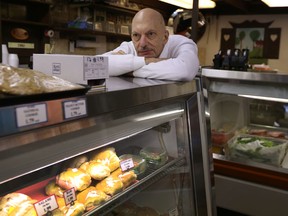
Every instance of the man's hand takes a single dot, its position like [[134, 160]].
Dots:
[[151, 60]]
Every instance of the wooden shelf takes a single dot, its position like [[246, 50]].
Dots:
[[26, 22]]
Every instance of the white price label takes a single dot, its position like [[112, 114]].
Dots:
[[126, 164], [47, 205], [69, 196], [95, 67], [31, 114], [74, 108]]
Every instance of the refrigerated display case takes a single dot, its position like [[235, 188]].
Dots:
[[154, 129], [247, 116]]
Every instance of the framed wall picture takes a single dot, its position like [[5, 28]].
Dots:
[[262, 41]]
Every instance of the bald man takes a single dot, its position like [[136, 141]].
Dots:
[[153, 53]]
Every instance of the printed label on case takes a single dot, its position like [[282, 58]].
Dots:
[[126, 164], [46, 205], [95, 67], [31, 114], [74, 108], [69, 196]]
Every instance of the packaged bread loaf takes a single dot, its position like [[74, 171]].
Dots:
[[24, 81]]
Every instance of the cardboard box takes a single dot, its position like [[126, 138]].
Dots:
[[88, 70]]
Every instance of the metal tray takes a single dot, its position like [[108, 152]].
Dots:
[[9, 99]]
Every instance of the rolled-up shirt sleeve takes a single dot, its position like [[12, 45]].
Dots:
[[122, 64]]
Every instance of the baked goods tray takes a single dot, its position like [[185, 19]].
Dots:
[[37, 190], [9, 99]]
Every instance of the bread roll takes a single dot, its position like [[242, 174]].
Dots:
[[108, 157], [127, 178], [74, 177], [75, 209], [91, 197], [17, 204], [96, 170], [77, 161], [110, 185], [52, 188]]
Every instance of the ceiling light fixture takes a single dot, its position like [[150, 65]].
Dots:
[[188, 4], [276, 3]]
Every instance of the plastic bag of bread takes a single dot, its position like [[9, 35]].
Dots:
[[91, 197], [73, 177], [127, 178], [24, 81], [108, 157], [96, 170], [17, 204], [110, 185], [52, 188]]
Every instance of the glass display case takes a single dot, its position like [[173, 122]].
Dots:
[[137, 147], [247, 113]]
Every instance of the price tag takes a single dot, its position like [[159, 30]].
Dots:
[[47, 205], [69, 196], [173, 212], [126, 164], [95, 67], [74, 108], [31, 114]]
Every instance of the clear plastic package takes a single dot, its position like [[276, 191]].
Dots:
[[140, 164], [256, 148], [155, 157]]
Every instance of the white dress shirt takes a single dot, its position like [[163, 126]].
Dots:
[[182, 63]]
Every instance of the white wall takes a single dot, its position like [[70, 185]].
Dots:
[[209, 44]]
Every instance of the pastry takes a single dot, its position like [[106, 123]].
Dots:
[[91, 197], [96, 170], [73, 177], [17, 204], [52, 188], [110, 185], [127, 178], [108, 157]]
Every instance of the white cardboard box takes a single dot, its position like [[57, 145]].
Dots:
[[74, 68]]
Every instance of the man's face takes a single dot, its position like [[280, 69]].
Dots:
[[148, 37]]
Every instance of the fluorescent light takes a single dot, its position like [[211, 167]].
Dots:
[[160, 115], [188, 4], [283, 100], [276, 3]]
